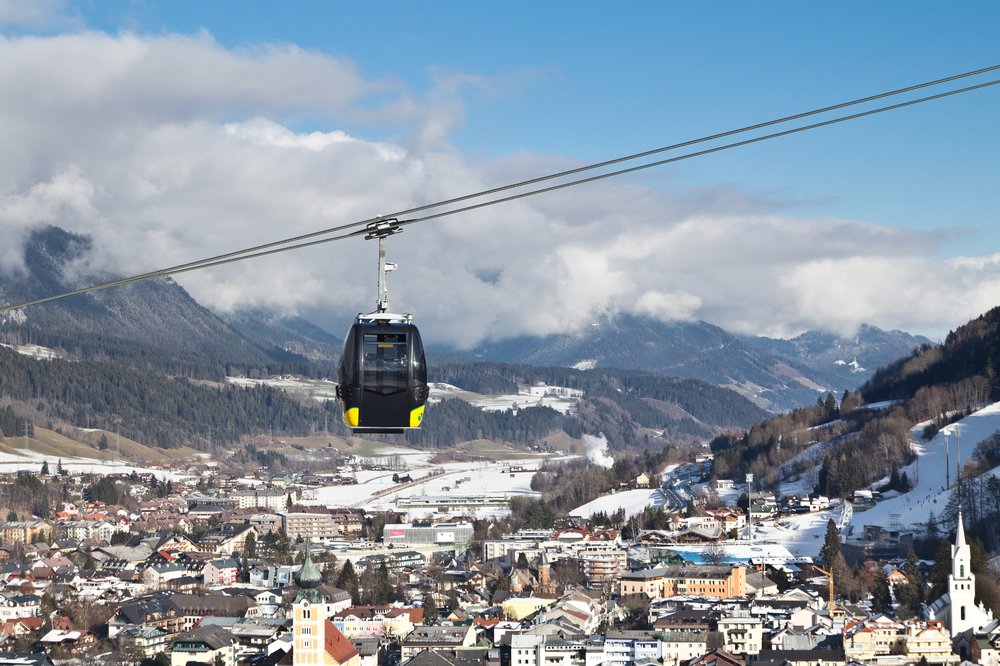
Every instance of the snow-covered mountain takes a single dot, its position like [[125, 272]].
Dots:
[[777, 374]]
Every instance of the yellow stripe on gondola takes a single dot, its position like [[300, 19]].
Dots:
[[352, 416], [385, 345], [416, 416]]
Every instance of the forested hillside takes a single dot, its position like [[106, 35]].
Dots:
[[168, 411], [623, 405], [939, 384], [149, 407]]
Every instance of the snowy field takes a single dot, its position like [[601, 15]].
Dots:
[[633, 501], [928, 473], [460, 479], [320, 389], [802, 534], [33, 461], [559, 398], [34, 351]]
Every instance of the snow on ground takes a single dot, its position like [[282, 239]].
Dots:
[[27, 460], [633, 501], [320, 389], [668, 471], [802, 534], [885, 404], [802, 486], [559, 398], [928, 473], [35, 351], [460, 479]]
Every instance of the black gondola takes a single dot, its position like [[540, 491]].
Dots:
[[383, 376]]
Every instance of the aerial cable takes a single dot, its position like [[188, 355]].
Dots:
[[286, 244], [700, 153]]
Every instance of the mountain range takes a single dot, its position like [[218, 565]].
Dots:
[[160, 317], [776, 374]]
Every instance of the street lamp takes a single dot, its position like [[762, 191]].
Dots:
[[750, 508]]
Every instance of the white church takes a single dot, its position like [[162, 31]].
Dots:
[[957, 608]]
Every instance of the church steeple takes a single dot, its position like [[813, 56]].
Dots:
[[308, 579], [960, 536]]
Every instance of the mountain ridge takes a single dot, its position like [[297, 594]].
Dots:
[[776, 374]]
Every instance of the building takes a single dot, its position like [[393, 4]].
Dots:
[[680, 647], [359, 622], [272, 500], [436, 638], [601, 563], [742, 633], [957, 607], [623, 648], [221, 572], [310, 523], [32, 531], [350, 522], [720, 582], [930, 641], [519, 608], [227, 540], [315, 639], [207, 645], [433, 534]]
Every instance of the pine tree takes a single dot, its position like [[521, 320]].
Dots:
[[941, 570], [430, 609], [45, 468], [831, 546], [250, 547], [347, 580], [881, 595]]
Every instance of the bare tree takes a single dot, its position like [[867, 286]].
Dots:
[[714, 554]]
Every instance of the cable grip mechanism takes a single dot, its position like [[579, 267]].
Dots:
[[381, 229]]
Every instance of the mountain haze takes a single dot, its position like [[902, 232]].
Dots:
[[158, 314], [291, 333], [776, 374]]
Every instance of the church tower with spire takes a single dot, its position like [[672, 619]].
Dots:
[[957, 607], [316, 641], [962, 585]]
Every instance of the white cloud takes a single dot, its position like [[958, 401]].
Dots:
[[31, 13], [171, 148]]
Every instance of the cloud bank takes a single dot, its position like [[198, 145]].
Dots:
[[171, 148]]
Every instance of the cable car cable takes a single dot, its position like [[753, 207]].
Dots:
[[274, 247], [210, 260]]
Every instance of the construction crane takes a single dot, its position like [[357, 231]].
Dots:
[[829, 574]]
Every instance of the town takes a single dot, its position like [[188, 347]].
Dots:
[[201, 566]]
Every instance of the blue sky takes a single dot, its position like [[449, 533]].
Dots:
[[513, 89], [591, 80]]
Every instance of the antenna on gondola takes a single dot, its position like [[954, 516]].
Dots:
[[380, 230]]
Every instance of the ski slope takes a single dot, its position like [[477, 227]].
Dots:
[[934, 466], [633, 501]]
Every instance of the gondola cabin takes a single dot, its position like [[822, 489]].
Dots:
[[383, 377]]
